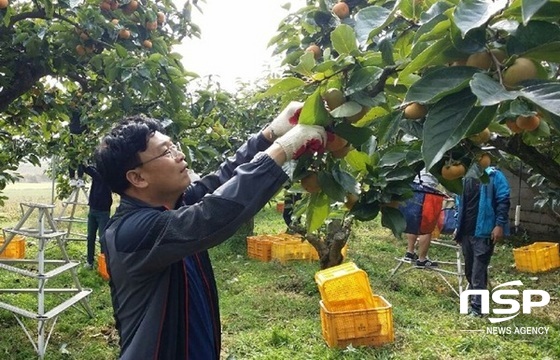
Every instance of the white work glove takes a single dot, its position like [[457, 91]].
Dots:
[[286, 120], [303, 138]]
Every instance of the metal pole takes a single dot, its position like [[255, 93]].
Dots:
[[518, 206]]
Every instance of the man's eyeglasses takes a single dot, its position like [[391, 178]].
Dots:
[[171, 152]]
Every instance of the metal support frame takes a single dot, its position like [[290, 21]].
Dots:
[[69, 219], [45, 232], [459, 272]]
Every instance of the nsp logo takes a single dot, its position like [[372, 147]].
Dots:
[[502, 297]]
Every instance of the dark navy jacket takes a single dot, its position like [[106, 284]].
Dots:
[[162, 284], [100, 195]]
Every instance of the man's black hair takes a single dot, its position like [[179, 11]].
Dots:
[[118, 151]]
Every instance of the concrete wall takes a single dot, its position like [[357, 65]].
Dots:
[[539, 225]]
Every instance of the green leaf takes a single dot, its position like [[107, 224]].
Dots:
[[489, 92], [305, 65], [388, 127], [369, 20], [400, 173], [49, 8], [446, 123], [393, 157], [433, 29], [111, 72], [121, 51], [314, 111], [479, 119], [343, 39], [546, 52], [386, 48], [358, 160], [473, 41], [355, 135], [437, 53], [365, 212], [126, 74], [471, 14], [317, 211], [555, 121], [394, 220], [439, 83], [545, 95], [330, 186], [362, 77], [283, 86], [534, 35], [530, 8], [349, 108], [346, 180]]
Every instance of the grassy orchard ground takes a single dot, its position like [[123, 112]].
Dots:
[[271, 311]]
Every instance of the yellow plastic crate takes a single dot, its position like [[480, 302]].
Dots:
[[537, 257], [345, 287], [102, 266], [364, 327], [292, 250], [260, 246], [286, 236], [15, 249]]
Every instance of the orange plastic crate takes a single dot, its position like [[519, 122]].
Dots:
[[537, 257], [15, 249], [260, 246], [295, 249], [102, 266], [364, 327], [345, 287]]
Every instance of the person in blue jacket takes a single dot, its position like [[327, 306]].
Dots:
[[482, 221], [163, 291]]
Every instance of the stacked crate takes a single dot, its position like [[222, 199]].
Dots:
[[537, 257], [259, 247], [293, 247], [283, 248], [350, 312]]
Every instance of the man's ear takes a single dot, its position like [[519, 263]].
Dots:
[[136, 179]]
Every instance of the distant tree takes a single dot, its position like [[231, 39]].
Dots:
[[101, 59]]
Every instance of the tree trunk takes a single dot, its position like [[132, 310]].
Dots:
[[330, 248]]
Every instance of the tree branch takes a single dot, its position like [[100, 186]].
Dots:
[[35, 14], [26, 75], [380, 86], [542, 164]]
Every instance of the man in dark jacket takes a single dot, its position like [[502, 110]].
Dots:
[[100, 201], [163, 289], [483, 220]]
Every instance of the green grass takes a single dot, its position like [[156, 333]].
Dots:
[[271, 310]]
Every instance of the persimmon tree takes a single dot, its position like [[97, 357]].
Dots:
[[424, 84], [101, 60], [88, 58]]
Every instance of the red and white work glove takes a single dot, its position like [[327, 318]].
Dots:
[[301, 139], [286, 120]]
